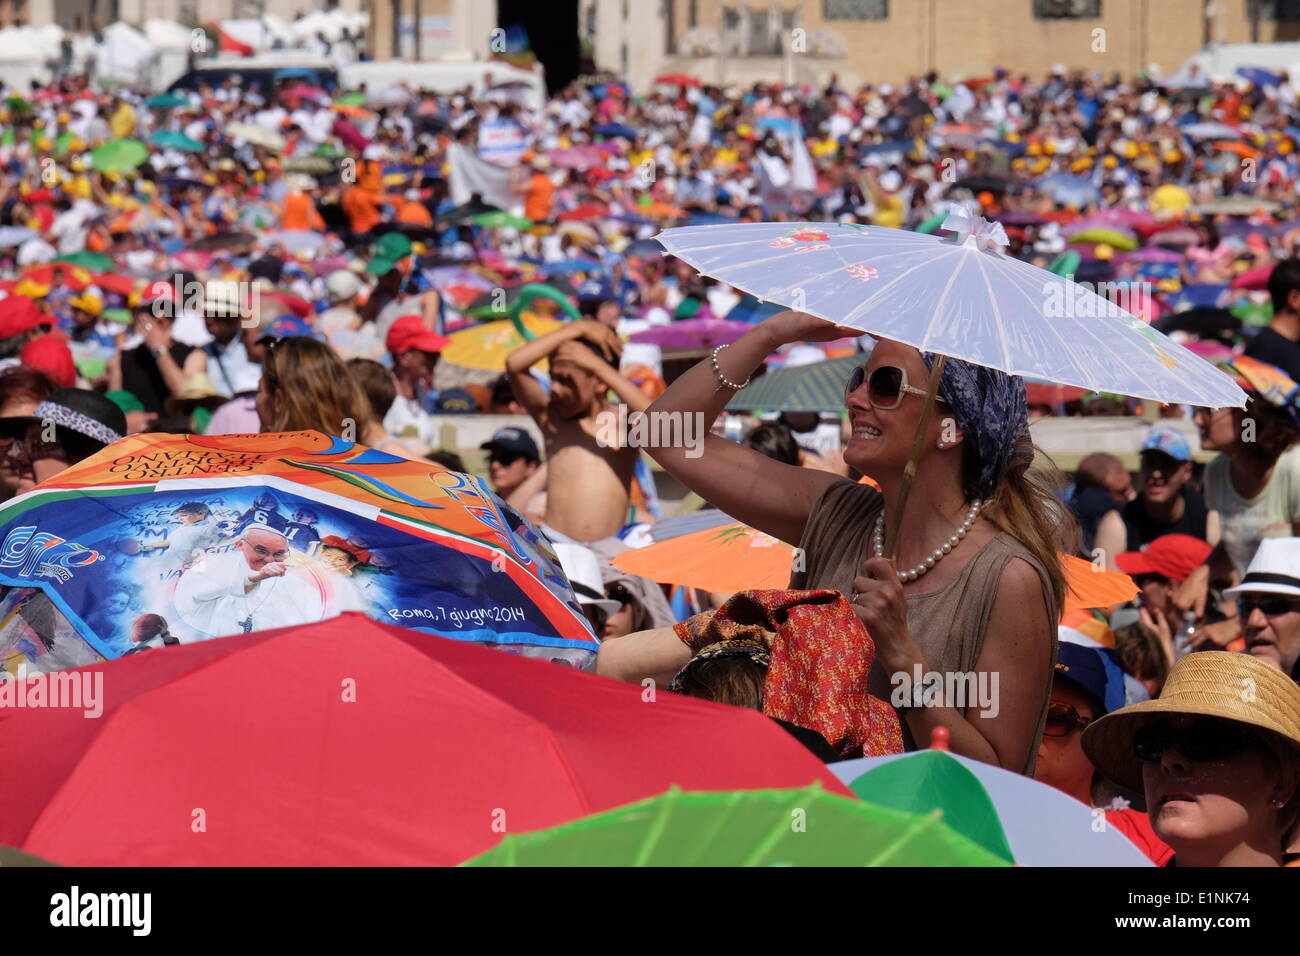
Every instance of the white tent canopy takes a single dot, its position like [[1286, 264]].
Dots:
[[125, 54], [168, 35]]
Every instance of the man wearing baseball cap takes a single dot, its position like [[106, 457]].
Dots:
[[1165, 503], [1158, 569], [1268, 604], [512, 459], [597, 300], [415, 349], [1081, 687]]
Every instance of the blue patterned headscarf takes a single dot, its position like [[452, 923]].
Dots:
[[991, 410]]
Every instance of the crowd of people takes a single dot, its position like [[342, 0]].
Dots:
[[246, 259]]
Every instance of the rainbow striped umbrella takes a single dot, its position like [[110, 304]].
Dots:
[[164, 539]]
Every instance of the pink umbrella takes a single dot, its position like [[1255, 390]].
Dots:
[[350, 135], [303, 91], [576, 157], [1150, 254], [693, 334], [1253, 279]]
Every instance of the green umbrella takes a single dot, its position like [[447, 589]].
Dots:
[[119, 156], [120, 316], [1066, 264], [167, 139], [94, 261], [804, 827], [494, 220], [327, 151], [931, 224], [63, 142], [1253, 314], [351, 99], [818, 387], [11, 857], [1111, 237], [931, 780], [167, 101]]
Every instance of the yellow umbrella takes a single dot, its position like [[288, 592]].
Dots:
[[1170, 198], [486, 346]]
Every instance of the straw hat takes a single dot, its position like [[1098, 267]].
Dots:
[[1230, 686]]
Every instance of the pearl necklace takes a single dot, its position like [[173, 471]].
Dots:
[[878, 542]]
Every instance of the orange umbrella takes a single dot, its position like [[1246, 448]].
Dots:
[[356, 112], [660, 210], [1241, 149], [735, 557]]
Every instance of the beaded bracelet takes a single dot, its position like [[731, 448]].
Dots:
[[717, 371]]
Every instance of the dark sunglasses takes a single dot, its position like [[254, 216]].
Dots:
[[503, 459], [1063, 720], [619, 593], [1202, 740], [886, 386], [1271, 606]]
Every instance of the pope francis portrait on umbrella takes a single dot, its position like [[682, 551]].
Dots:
[[247, 589]]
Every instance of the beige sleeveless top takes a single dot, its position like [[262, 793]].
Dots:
[[948, 624]]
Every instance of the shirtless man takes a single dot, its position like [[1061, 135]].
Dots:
[[587, 481]]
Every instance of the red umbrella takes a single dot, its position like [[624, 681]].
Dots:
[[350, 742], [295, 304], [115, 282], [677, 79], [587, 210]]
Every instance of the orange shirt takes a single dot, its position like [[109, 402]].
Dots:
[[370, 175], [300, 213], [414, 213], [362, 208], [537, 200]]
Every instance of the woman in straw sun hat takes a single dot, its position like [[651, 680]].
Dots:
[[1218, 757]]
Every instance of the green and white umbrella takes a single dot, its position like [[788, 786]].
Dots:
[[804, 827]]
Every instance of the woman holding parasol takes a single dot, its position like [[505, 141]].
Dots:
[[976, 584], [961, 581]]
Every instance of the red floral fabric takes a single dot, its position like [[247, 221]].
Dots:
[[821, 655]]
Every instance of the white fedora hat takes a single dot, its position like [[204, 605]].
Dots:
[[1275, 569], [583, 570]]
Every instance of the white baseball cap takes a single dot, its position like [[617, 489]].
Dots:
[[341, 285]]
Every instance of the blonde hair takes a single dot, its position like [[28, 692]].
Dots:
[[1026, 507], [311, 388]]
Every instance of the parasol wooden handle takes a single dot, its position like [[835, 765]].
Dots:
[[895, 518]]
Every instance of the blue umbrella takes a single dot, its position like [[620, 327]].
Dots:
[[644, 249], [709, 219], [294, 73], [1070, 190], [616, 129], [571, 265], [1205, 294], [749, 309], [1258, 76]]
